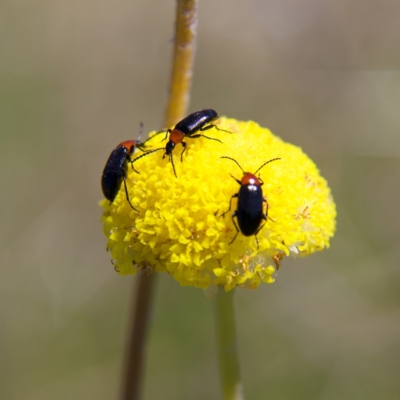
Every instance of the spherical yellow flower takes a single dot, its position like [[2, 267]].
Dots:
[[180, 229]]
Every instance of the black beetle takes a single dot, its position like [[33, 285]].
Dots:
[[198, 121], [116, 169], [249, 211]]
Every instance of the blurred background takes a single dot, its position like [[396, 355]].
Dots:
[[77, 78]]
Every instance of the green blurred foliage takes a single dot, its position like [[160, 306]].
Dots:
[[78, 77]]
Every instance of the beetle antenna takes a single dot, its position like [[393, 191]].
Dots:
[[140, 131], [147, 153], [230, 158], [267, 162]]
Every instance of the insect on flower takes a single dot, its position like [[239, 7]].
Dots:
[[116, 169], [198, 121], [180, 234], [249, 211]]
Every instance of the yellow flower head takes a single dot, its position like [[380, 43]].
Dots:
[[180, 227]]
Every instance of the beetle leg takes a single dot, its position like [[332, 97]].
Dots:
[[205, 128], [141, 146], [184, 148], [126, 192], [131, 161], [265, 216], [230, 205], [207, 137], [261, 226], [166, 131], [134, 168], [234, 223]]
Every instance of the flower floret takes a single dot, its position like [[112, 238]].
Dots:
[[183, 227]]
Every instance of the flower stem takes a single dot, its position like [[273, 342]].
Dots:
[[133, 375], [227, 347], [183, 61], [181, 79]]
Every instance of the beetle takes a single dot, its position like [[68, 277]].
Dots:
[[116, 169], [199, 121], [249, 211]]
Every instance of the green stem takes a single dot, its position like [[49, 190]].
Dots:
[[135, 352], [227, 347]]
